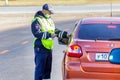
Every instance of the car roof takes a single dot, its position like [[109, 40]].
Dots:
[[101, 20]]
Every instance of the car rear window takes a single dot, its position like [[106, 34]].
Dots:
[[99, 31]]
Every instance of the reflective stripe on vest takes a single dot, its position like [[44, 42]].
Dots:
[[47, 25]]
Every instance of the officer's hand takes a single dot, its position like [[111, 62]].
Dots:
[[53, 35], [69, 35]]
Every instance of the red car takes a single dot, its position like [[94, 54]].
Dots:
[[86, 56]]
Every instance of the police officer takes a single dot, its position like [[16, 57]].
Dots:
[[44, 31]]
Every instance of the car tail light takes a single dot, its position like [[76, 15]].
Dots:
[[74, 51]]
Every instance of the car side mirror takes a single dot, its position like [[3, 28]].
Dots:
[[114, 56]]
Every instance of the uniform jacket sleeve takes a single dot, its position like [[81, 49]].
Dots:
[[61, 34], [36, 30]]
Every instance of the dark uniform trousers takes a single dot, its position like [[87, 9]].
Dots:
[[43, 63]]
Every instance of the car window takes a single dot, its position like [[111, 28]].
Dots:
[[99, 31]]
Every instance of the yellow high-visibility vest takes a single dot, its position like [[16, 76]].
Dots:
[[46, 25]]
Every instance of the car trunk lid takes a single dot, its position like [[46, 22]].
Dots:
[[95, 56]]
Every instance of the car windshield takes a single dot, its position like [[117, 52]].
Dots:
[[99, 31]]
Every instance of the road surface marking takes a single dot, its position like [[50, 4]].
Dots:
[[4, 51], [24, 42]]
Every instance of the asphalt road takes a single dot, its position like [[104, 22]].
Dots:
[[17, 55], [16, 52]]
